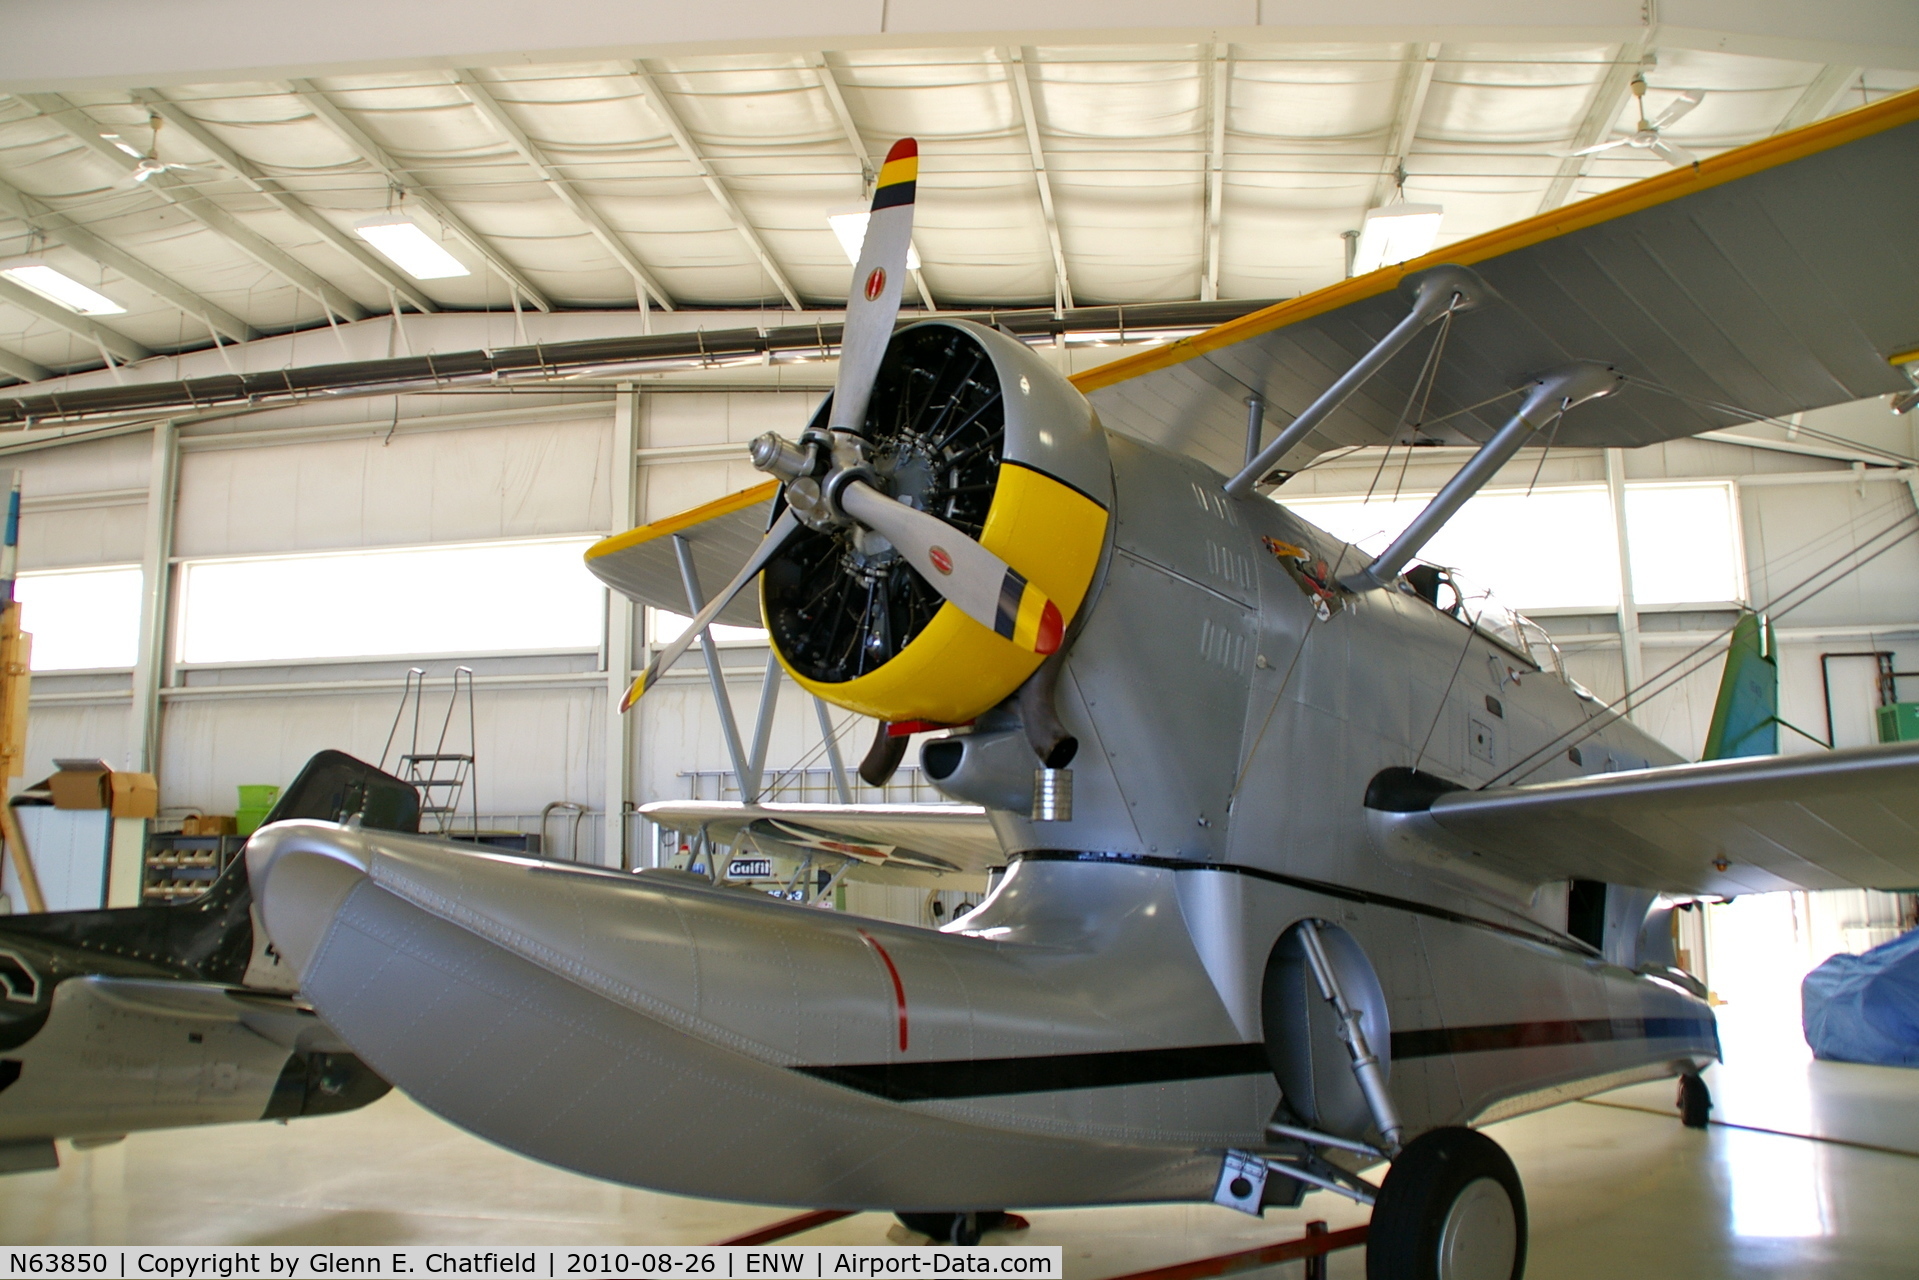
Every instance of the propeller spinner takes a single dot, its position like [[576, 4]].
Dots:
[[907, 478]]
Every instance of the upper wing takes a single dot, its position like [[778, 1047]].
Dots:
[[1773, 278], [642, 565], [897, 843], [1834, 820]]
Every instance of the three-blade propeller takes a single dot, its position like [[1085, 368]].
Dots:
[[968, 576]]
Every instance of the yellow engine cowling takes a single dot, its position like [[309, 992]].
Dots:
[[1050, 495]]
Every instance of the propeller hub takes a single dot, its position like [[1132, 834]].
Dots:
[[782, 459]]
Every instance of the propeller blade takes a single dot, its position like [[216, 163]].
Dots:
[[1685, 102], [775, 539], [1604, 146], [874, 303], [1674, 155], [974, 580]]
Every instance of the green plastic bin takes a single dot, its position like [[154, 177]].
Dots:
[[1899, 722], [255, 803]]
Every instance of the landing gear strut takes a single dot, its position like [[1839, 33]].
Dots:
[[1450, 1209], [1695, 1102]]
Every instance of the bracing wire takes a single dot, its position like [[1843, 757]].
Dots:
[[1691, 661], [1754, 416], [1471, 631], [1428, 374]]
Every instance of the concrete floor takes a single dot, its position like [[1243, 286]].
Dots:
[[1818, 1182]]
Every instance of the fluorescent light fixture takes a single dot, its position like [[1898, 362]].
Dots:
[[400, 240], [63, 289], [849, 225], [1395, 233]]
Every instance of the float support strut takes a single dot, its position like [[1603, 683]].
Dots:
[[1366, 1068]]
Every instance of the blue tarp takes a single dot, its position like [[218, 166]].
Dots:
[[1866, 1008]]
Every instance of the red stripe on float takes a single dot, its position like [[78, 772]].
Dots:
[[899, 988]]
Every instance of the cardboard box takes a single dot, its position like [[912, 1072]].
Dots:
[[79, 789], [210, 824], [133, 795], [128, 795]]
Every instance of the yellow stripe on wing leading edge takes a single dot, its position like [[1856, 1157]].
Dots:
[[685, 520], [1767, 153]]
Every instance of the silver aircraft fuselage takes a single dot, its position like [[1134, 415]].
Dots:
[[1094, 1032]]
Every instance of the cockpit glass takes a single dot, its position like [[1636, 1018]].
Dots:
[[1457, 596]]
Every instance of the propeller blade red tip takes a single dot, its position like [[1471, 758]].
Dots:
[[633, 694], [1051, 628], [903, 149]]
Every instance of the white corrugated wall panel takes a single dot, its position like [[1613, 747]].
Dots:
[[530, 480], [75, 537], [80, 535], [534, 745], [76, 730]]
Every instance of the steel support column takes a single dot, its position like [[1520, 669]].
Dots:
[[1632, 663], [149, 668], [620, 626]]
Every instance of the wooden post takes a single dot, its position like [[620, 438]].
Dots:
[[16, 652]]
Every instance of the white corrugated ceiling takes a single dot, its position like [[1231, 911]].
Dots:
[[712, 176]]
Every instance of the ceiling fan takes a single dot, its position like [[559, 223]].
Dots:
[[149, 162], [1647, 136]]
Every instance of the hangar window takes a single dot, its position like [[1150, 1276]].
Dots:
[[1555, 549], [498, 597], [1685, 543], [81, 619], [666, 627]]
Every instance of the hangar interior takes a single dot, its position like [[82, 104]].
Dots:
[[217, 592]]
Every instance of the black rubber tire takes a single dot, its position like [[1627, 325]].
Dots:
[[954, 1228], [1409, 1238], [1695, 1102]]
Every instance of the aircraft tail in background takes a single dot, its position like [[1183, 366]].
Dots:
[[1745, 719]]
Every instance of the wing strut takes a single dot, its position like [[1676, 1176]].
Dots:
[[1437, 292], [1552, 395], [695, 602]]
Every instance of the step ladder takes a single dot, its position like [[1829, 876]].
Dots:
[[443, 778]]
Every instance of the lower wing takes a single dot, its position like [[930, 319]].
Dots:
[[1832, 820], [949, 846]]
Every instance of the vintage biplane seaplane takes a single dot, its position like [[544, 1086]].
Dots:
[[1307, 868]]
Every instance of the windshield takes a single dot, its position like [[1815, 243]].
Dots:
[[1453, 594]]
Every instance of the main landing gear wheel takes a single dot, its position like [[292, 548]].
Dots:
[[961, 1228], [1695, 1102], [1450, 1209]]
